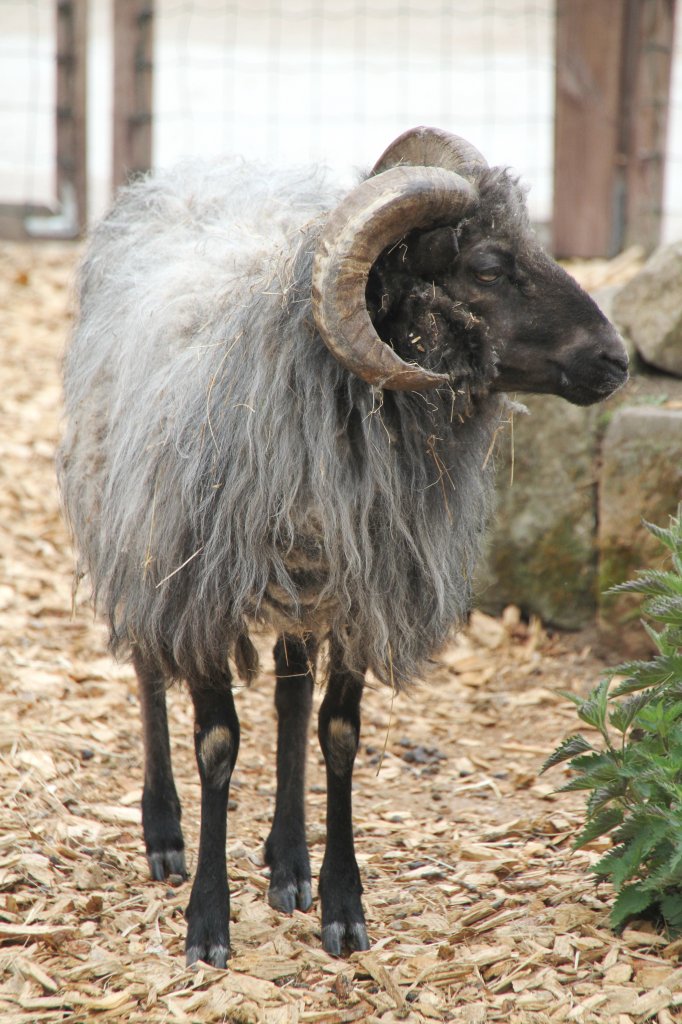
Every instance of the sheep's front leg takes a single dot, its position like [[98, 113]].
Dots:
[[286, 851], [216, 743], [160, 804], [343, 920]]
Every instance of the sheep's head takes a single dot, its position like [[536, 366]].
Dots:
[[430, 276]]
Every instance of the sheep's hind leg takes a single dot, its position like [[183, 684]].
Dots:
[[286, 851], [161, 810], [343, 920], [216, 743]]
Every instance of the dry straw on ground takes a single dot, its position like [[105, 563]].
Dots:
[[477, 909]]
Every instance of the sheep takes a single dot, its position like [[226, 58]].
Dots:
[[281, 401]]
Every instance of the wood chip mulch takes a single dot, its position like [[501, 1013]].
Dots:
[[477, 908]]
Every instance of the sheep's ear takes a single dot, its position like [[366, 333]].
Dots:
[[432, 253]]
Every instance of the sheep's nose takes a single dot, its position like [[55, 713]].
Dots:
[[611, 349], [616, 358]]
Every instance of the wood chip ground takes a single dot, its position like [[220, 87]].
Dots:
[[477, 908]]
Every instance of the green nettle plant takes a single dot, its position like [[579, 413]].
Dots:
[[634, 775]]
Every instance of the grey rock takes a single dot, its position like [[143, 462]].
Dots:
[[641, 478], [605, 297], [541, 554], [542, 551], [649, 309]]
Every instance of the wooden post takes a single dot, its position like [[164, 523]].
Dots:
[[133, 52], [71, 114], [613, 66], [647, 70], [68, 217]]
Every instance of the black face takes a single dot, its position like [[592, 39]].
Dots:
[[552, 337], [504, 318]]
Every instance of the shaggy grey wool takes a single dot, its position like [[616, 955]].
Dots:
[[221, 471]]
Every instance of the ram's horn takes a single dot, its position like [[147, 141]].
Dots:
[[432, 147], [375, 215]]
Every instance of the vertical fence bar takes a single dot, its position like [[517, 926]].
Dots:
[[133, 66], [613, 63], [588, 53], [647, 70], [71, 114]]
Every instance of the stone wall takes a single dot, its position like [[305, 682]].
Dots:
[[574, 484]]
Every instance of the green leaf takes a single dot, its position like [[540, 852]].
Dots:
[[665, 609], [575, 785], [636, 852], [622, 715], [645, 820], [660, 716], [607, 864], [573, 697], [650, 581], [670, 537], [633, 824], [631, 685], [601, 778], [672, 639], [662, 876], [599, 826], [661, 640], [631, 900], [593, 710], [661, 581], [655, 672], [601, 768], [570, 747], [603, 795], [671, 909]]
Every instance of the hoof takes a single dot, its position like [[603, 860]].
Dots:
[[286, 898], [215, 955], [208, 927], [339, 936], [165, 863]]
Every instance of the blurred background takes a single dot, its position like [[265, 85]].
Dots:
[[582, 97]]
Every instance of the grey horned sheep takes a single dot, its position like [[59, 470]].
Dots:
[[281, 401]]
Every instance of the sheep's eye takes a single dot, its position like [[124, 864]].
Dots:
[[488, 276]]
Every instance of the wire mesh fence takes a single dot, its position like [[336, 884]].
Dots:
[[295, 80], [27, 100], [336, 80], [672, 200]]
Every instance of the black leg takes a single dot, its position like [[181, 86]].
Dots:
[[216, 742], [343, 920], [286, 851], [160, 805]]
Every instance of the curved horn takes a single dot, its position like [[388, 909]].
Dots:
[[432, 147], [374, 215]]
